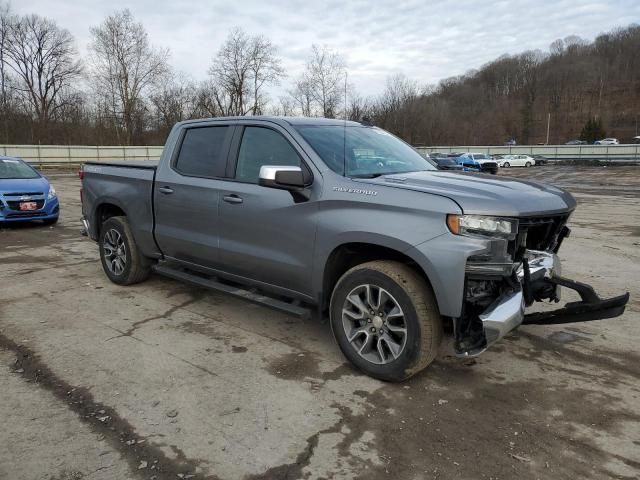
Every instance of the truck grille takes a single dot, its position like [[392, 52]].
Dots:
[[540, 233], [488, 166]]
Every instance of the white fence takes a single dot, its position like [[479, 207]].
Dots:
[[76, 154], [611, 153]]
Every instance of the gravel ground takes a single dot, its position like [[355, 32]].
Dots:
[[162, 380]]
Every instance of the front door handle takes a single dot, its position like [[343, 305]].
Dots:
[[232, 198], [165, 190]]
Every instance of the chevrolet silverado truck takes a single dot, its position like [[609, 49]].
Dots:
[[341, 220]]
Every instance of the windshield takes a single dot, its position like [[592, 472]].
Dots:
[[370, 151], [14, 168], [480, 156]]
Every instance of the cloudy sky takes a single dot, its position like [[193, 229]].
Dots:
[[426, 40]]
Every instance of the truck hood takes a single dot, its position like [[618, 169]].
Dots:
[[484, 194], [23, 185]]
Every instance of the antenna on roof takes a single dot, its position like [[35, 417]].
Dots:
[[344, 152]]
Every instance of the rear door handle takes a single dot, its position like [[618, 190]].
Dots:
[[165, 190], [232, 198]]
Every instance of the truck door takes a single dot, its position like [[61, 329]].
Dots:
[[265, 235], [187, 192]]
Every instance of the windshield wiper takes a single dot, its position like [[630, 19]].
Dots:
[[369, 175]]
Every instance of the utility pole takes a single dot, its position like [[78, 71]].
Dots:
[[548, 122]]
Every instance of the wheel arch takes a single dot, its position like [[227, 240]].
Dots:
[[349, 254], [105, 209]]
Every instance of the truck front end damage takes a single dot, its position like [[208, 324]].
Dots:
[[520, 267]]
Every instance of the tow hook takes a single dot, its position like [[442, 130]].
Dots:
[[591, 306]]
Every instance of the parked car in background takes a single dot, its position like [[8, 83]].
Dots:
[[485, 162], [636, 139], [446, 163], [467, 164], [25, 195], [575, 142], [607, 141], [540, 160], [510, 142], [516, 161]]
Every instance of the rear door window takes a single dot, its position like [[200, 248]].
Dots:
[[203, 152]]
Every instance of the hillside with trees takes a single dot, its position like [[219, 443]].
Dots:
[[514, 96], [126, 92]]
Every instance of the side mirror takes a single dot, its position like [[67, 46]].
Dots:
[[282, 177]]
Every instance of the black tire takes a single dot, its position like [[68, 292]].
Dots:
[[50, 221], [506, 164], [527, 164], [420, 314], [136, 267]]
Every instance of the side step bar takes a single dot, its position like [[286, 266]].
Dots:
[[294, 309]]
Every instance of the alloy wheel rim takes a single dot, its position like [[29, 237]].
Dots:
[[374, 324], [115, 251]]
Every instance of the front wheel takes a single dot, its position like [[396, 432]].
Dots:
[[385, 320], [506, 164], [121, 260], [527, 165]]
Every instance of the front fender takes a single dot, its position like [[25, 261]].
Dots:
[[444, 259]]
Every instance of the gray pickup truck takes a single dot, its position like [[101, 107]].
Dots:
[[340, 219]]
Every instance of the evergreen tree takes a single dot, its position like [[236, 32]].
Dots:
[[593, 130]]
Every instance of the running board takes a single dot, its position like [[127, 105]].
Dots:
[[294, 309]]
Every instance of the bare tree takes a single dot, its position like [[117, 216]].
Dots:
[[529, 71], [5, 21], [324, 77], [42, 55], [206, 104], [243, 66], [266, 69], [174, 101], [557, 47], [125, 69], [287, 107], [302, 96]]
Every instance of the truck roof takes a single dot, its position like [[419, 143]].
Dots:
[[280, 120]]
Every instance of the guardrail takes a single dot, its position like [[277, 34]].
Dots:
[[43, 155], [606, 153]]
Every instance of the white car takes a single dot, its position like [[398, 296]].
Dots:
[[516, 161], [607, 141]]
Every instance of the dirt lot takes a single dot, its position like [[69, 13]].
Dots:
[[165, 381]]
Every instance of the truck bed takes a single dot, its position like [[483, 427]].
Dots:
[[128, 186]]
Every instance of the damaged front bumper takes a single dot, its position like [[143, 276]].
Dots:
[[537, 278]]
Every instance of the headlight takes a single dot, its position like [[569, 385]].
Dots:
[[52, 192], [481, 225]]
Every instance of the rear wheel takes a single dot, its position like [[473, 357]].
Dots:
[[506, 164], [385, 320], [121, 260]]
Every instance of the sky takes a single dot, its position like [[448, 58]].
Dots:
[[425, 40]]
